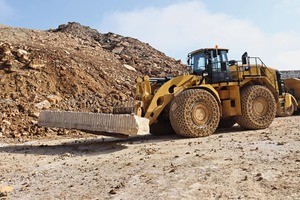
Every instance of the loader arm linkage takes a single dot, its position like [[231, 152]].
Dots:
[[155, 97], [150, 101]]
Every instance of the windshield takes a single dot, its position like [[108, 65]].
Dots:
[[216, 60], [198, 62]]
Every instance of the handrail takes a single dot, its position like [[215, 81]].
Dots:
[[274, 77], [258, 62]]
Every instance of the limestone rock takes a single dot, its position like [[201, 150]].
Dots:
[[44, 104], [36, 64], [5, 190], [118, 50], [54, 99], [75, 67], [125, 124], [129, 67]]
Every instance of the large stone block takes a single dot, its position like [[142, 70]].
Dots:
[[126, 124]]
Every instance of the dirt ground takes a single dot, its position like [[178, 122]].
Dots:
[[231, 164]]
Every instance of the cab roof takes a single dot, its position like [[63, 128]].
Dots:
[[208, 49]]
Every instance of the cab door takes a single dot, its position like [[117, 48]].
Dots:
[[219, 66]]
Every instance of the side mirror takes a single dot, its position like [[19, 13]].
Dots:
[[232, 62], [204, 73], [245, 58]]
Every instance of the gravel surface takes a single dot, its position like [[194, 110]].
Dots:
[[231, 164]]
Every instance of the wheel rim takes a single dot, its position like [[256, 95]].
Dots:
[[260, 106], [200, 114]]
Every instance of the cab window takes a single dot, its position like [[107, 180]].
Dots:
[[198, 62]]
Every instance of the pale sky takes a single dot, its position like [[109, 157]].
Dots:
[[269, 29]]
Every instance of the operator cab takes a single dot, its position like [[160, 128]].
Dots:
[[211, 63]]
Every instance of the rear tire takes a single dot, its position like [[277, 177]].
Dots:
[[258, 107], [194, 113]]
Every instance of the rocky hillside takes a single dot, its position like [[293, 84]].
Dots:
[[130, 51], [70, 68]]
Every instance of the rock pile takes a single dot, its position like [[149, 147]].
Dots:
[[131, 52], [72, 68]]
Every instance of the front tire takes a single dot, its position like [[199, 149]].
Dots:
[[194, 113], [258, 107]]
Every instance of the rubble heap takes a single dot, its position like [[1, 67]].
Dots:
[[129, 51], [73, 68]]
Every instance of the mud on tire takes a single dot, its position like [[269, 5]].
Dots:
[[194, 113], [258, 107]]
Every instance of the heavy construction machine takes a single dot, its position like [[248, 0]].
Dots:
[[292, 86], [217, 93]]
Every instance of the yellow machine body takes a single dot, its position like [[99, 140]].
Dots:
[[153, 98], [217, 93]]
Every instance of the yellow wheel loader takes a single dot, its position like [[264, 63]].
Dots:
[[292, 86], [217, 93]]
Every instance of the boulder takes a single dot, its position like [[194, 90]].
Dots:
[[4, 190]]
